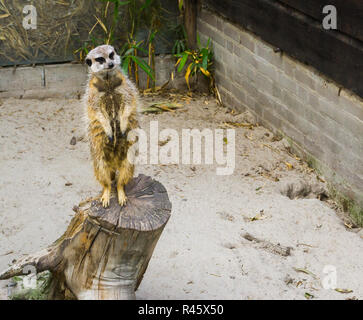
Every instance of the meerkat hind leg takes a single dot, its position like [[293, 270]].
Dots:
[[126, 172], [104, 176]]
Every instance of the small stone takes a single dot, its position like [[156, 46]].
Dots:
[[73, 141]]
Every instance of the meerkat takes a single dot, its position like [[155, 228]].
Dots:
[[111, 102]]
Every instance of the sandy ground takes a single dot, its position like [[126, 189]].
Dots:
[[204, 252]]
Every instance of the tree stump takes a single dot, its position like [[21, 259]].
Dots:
[[105, 252]]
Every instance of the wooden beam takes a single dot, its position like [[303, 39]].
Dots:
[[349, 13], [331, 52], [190, 22]]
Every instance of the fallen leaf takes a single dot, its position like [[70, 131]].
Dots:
[[299, 283], [238, 124], [248, 137], [59, 110], [289, 165], [259, 216], [306, 272], [308, 295], [348, 225], [163, 143], [161, 107], [343, 290]]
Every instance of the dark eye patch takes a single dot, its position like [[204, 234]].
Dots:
[[101, 60], [112, 54]]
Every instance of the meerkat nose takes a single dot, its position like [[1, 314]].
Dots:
[[110, 65]]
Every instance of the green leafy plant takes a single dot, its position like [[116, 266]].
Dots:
[[138, 11], [86, 48], [144, 14], [40, 292], [180, 45], [198, 61], [115, 18], [107, 21], [127, 56], [151, 58]]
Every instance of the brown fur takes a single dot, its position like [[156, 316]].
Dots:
[[111, 108]]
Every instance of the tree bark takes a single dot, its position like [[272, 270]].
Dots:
[[105, 252]]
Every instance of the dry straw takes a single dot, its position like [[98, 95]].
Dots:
[[62, 26]]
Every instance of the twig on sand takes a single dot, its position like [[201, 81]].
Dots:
[[6, 254], [273, 248], [305, 245]]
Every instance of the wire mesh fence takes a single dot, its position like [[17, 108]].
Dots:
[[51, 31]]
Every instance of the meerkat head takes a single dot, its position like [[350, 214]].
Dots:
[[103, 60]]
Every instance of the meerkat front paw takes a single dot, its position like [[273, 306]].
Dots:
[[106, 198], [122, 199]]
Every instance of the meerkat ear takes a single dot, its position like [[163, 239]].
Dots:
[[89, 62]]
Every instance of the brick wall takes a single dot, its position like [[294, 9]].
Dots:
[[48, 81], [324, 123]]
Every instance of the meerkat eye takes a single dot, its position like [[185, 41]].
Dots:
[[101, 60], [112, 54], [89, 62]]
